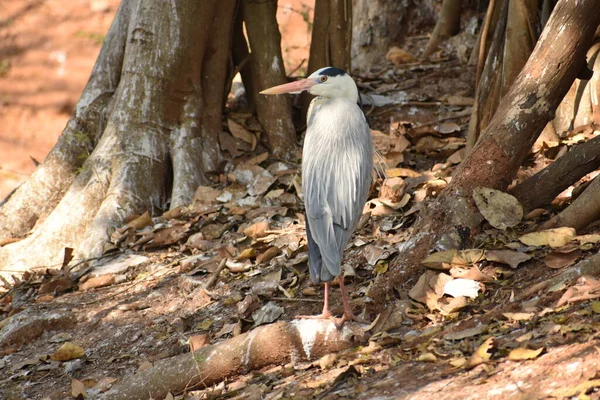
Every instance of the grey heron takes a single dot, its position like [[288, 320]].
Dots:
[[337, 162]]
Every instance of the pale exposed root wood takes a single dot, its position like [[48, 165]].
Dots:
[[584, 210], [274, 112], [520, 118], [276, 344], [448, 24], [37, 197], [543, 187]]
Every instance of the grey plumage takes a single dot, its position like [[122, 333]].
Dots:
[[337, 161]]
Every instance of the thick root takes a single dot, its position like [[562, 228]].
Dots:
[[275, 344]]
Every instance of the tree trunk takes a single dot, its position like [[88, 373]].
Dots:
[[377, 25], [448, 24], [557, 59], [274, 112], [512, 43], [331, 35]]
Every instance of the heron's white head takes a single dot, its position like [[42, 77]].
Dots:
[[329, 82]]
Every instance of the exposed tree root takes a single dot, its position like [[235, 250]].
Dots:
[[162, 124], [584, 210], [276, 344], [494, 160], [448, 24], [543, 187]]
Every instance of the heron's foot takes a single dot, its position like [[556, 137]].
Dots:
[[339, 322]]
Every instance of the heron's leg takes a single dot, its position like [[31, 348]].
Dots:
[[326, 314], [348, 314]]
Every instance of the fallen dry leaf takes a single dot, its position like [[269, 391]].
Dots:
[[78, 389], [462, 287], [466, 333], [521, 353], [500, 209], [510, 257], [482, 354], [68, 351], [239, 132], [257, 230], [518, 316], [554, 238], [399, 56], [556, 260]]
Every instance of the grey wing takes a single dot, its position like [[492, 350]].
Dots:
[[335, 185]]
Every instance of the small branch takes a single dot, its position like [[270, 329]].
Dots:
[[215, 275]]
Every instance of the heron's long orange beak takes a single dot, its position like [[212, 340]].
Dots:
[[292, 87]]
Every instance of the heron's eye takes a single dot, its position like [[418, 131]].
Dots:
[[323, 79]]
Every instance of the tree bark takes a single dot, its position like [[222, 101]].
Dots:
[[378, 25], [448, 24], [274, 112], [584, 210], [276, 344], [543, 187], [527, 107], [331, 38], [513, 41]]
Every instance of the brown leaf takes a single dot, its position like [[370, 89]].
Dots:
[[551, 237], [269, 254], [482, 354], [239, 132], [68, 351], [520, 353], [471, 273], [257, 230], [140, 222], [510, 257], [556, 260], [392, 189], [500, 209], [206, 195], [78, 389], [402, 172], [466, 333], [98, 281], [447, 127], [144, 365], [198, 341], [399, 56]]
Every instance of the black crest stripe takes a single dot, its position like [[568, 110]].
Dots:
[[332, 72]]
